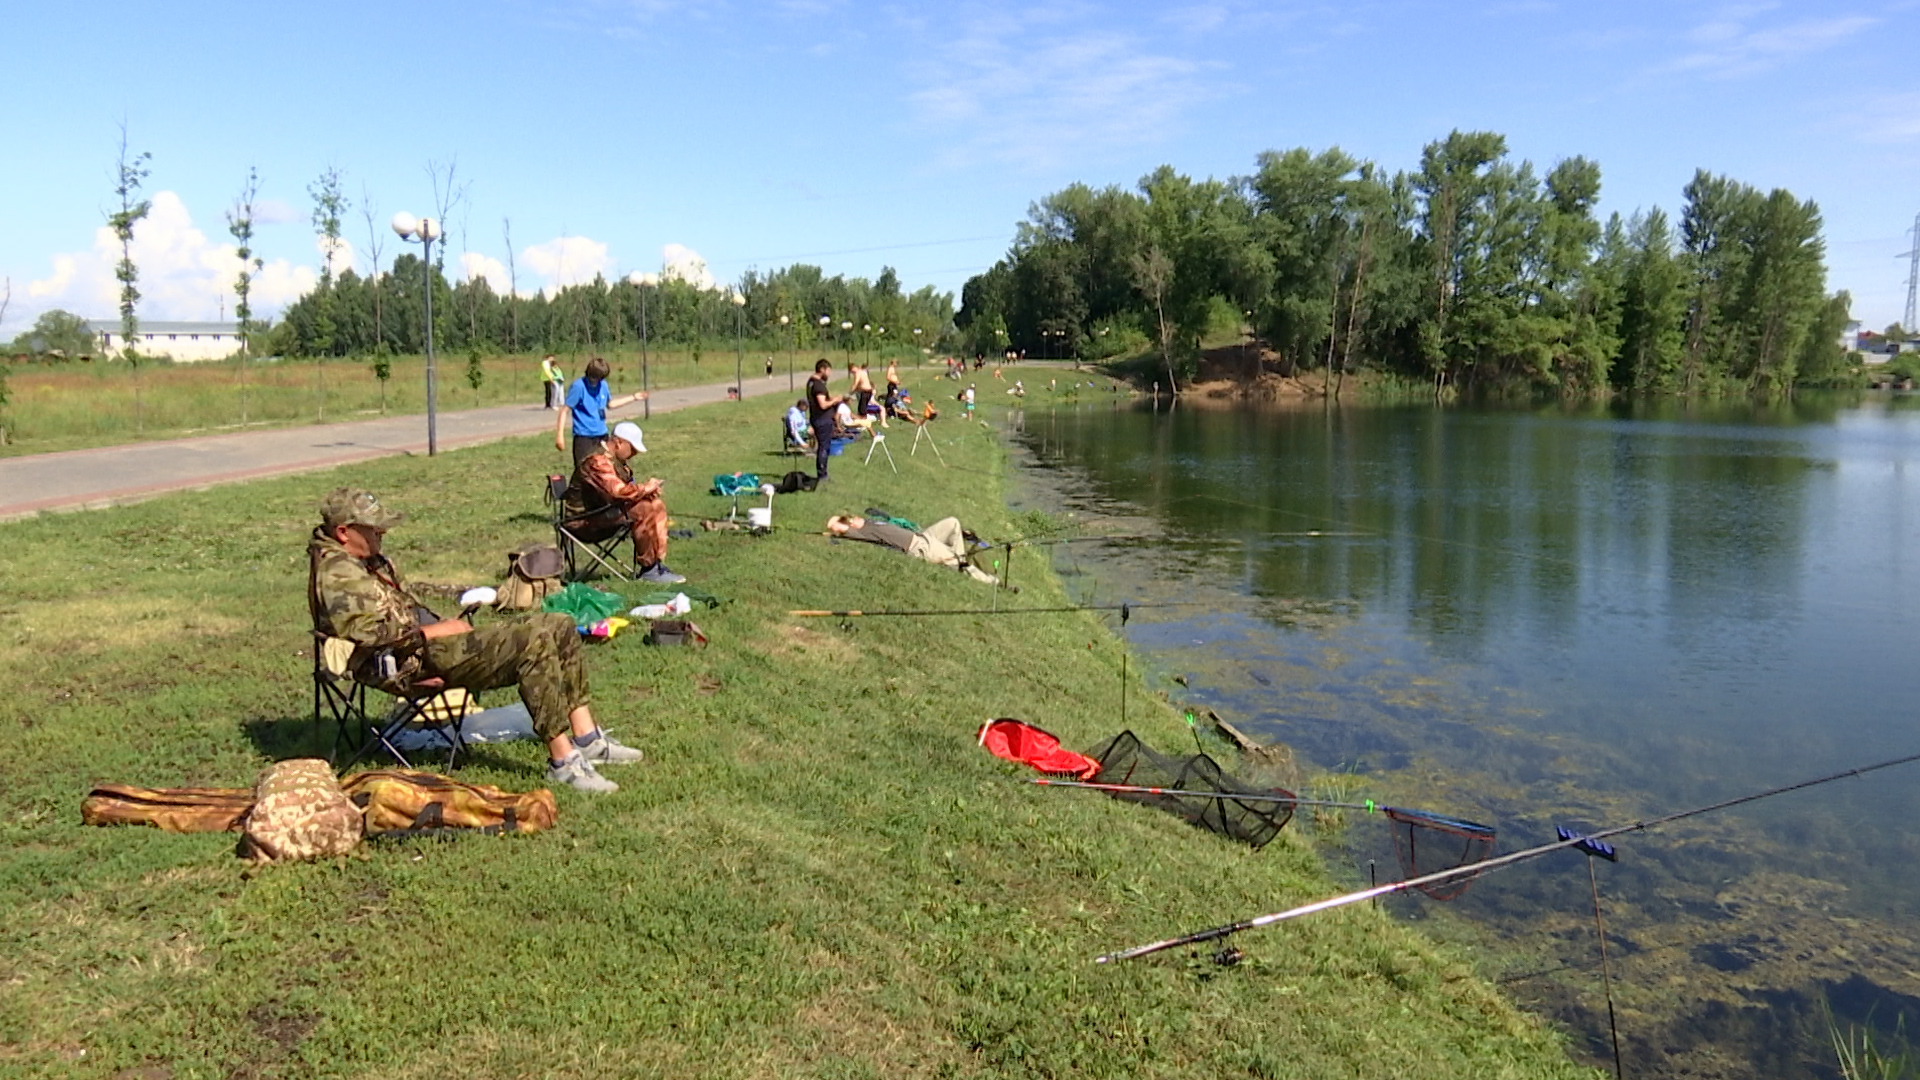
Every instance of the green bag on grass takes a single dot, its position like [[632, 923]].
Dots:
[[727, 484], [584, 604]]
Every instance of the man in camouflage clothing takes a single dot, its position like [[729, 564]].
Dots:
[[355, 592]]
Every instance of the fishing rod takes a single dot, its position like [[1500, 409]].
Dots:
[[1123, 609], [1369, 805], [1590, 843]]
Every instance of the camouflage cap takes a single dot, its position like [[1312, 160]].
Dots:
[[356, 506]]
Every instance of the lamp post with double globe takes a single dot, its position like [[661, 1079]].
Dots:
[[424, 231]]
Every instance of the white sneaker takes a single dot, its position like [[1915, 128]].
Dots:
[[606, 750], [578, 773]]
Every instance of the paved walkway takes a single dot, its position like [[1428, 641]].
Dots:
[[116, 475]]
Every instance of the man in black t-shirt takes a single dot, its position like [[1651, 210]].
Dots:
[[820, 407]]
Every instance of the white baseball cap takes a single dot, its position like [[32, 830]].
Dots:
[[630, 431]]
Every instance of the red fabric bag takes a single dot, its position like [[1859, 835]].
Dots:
[[1022, 743]]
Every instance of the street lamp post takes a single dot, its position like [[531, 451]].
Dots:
[[866, 341], [646, 390], [426, 231], [790, 348], [739, 343], [846, 327]]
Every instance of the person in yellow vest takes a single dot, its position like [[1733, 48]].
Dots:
[[552, 380]]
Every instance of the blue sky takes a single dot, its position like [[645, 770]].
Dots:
[[622, 135]]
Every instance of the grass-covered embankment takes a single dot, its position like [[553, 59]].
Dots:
[[816, 873]]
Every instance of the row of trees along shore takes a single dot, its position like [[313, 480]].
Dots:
[[1471, 271], [383, 314]]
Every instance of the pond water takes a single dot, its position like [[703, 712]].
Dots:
[[1560, 616]]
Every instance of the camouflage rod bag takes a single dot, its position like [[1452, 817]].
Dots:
[[181, 810], [408, 801], [306, 808]]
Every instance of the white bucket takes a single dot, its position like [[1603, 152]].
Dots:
[[760, 517]]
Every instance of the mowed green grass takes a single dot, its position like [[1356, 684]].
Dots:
[[98, 403], [816, 873]]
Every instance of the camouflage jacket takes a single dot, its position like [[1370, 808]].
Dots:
[[362, 600], [601, 481]]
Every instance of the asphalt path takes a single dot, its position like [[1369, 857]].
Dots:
[[117, 475]]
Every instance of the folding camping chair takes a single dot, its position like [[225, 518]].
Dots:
[[339, 694], [570, 530], [788, 445]]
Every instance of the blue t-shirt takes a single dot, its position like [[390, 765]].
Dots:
[[589, 408]]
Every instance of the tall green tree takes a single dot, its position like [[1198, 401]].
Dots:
[[1653, 313], [329, 206], [240, 225], [130, 175]]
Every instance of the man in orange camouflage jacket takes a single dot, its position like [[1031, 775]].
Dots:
[[603, 499]]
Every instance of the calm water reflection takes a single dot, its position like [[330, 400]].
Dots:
[[1576, 617]]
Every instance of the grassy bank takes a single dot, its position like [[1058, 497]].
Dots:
[[71, 405], [816, 872]]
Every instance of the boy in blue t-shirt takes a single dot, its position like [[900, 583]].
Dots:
[[589, 400]]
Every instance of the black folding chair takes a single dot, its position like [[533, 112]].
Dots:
[[789, 446], [338, 693], [596, 534]]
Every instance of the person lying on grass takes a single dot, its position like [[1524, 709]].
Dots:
[[943, 542], [603, 499], [356, 593]]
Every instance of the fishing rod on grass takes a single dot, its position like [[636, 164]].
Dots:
[[1590, 844], [1286, 797], [1124, 609]]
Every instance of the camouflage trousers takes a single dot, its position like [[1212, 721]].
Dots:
[[539, 653]]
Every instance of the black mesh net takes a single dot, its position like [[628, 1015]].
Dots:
[[1124, 759], [1429, 843]]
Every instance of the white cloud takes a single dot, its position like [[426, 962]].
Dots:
[[1044, 86], [343, 253], [566, 260], [475, 265], [274, 212], [1730, 45], [684, 263], [183, 274]]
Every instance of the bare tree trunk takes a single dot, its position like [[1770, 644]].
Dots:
[[1353, 307]]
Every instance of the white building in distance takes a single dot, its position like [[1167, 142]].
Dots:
[[181, 342]]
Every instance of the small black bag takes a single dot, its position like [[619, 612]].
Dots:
[[794, 481]]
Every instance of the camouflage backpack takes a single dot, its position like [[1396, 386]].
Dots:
[[299, 812], [533, 574]]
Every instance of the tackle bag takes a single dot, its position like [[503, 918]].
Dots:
[[533, 574], [795, 481], [299, 812]]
